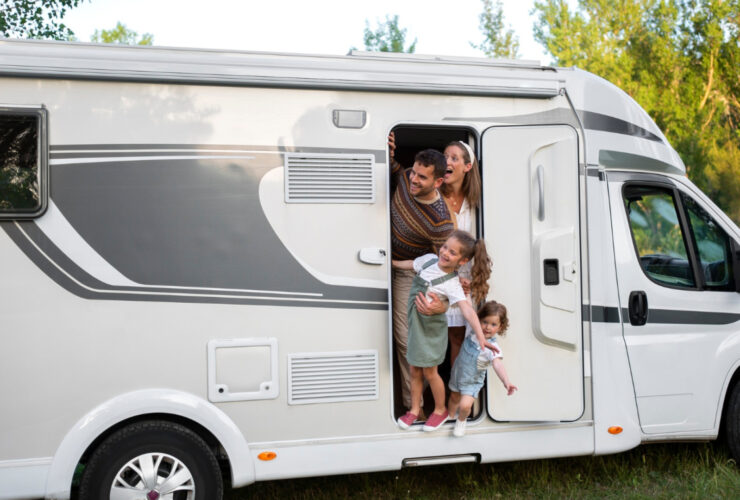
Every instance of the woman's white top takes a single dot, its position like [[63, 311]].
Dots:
[[465, 222]]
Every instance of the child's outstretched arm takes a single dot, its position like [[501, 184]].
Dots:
[[469, 314], [403, 264], [498, 367]]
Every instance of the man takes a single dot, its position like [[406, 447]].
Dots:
[[420, 224]]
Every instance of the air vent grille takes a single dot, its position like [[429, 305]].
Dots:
[[328, 378], [325, 178]]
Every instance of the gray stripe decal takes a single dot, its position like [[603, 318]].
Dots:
[[603, 314], [606, 123], [183, 227], [675, 317], [66, 151], [63, 277], [630, 161], [590, 120]]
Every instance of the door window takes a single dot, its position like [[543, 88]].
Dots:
[[712, 245], [659, 240]]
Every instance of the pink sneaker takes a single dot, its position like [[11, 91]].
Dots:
[[435, 421], [406, 421]]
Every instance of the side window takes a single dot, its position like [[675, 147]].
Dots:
[[659, 239], [22, 153], [712, 245]]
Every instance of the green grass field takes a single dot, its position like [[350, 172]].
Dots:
[[668, 471]]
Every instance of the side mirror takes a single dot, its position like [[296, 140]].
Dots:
[[735, 249]]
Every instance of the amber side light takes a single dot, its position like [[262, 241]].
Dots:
[[267, 455], [615, 429]]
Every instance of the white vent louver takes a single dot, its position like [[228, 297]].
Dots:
[[333, 377], [329, 178]]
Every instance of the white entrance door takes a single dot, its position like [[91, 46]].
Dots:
[[531, 227]]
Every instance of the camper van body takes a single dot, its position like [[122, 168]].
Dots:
[[211, 245]]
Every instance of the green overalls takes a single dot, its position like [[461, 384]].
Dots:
[[427, 341]]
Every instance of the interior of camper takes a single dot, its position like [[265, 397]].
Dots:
[[409, 140]]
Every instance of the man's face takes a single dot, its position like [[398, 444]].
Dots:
[[423, 183]]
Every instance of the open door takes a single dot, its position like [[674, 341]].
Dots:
[[531, 227]]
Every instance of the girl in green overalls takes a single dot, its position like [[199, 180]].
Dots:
[[427, 340]]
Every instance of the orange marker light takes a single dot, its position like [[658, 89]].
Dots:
[[615, 429], [267, 455]]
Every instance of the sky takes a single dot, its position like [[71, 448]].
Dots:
[[442, 27]]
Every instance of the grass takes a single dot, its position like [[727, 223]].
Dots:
[[667, 471]]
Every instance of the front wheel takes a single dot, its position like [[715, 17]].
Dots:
[[153, 460], [732, 423]]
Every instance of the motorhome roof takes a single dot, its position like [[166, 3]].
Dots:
[[356, 71]]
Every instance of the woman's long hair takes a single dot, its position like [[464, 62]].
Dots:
[[471, 185]]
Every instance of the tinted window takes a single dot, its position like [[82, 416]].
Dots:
[[19, 163], [656, 230], [713, 247]]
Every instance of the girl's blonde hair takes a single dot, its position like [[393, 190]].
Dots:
[[471, 185], [493, 308], [481, 271]]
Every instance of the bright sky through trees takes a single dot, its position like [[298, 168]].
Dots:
[[320, 26]]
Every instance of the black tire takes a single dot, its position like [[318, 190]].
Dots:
[[732, 423], [167, 441]]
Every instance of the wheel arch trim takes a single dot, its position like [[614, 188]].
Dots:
[[137, 404], [732, 373]]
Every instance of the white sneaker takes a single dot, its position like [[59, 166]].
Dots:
[[459, 430]]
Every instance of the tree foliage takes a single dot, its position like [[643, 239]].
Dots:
[[498, 40], [680, 59], [388, 37], [35, 18], [19, 188], [121, 35]]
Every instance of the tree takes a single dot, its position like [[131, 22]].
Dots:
[[121, 35], [35, 18], [680, 59], [498, 41], [388, 37]]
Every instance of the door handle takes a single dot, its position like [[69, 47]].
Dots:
[[541, 192], [638, 308]]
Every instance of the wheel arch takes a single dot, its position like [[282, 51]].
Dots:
[[731, 381], [193, 412]]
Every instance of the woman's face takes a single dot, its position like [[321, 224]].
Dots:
[[456, 166]]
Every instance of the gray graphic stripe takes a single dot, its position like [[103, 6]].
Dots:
[[187, 223], [603, 314], [676, 317], [590, 120], [106, 150], [40, 240], [66, 280], [606, 123]]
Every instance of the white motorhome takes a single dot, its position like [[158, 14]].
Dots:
[[194, 268]]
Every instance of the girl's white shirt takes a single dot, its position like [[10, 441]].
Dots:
[[465, 222], [451, 289]]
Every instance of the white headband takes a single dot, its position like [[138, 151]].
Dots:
[[469, 150]]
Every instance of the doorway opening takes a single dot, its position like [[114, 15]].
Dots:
[[409, 140]]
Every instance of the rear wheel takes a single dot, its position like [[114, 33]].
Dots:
[[732, 423], [154, 460]]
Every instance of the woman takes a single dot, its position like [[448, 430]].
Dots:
[[461, 191]]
